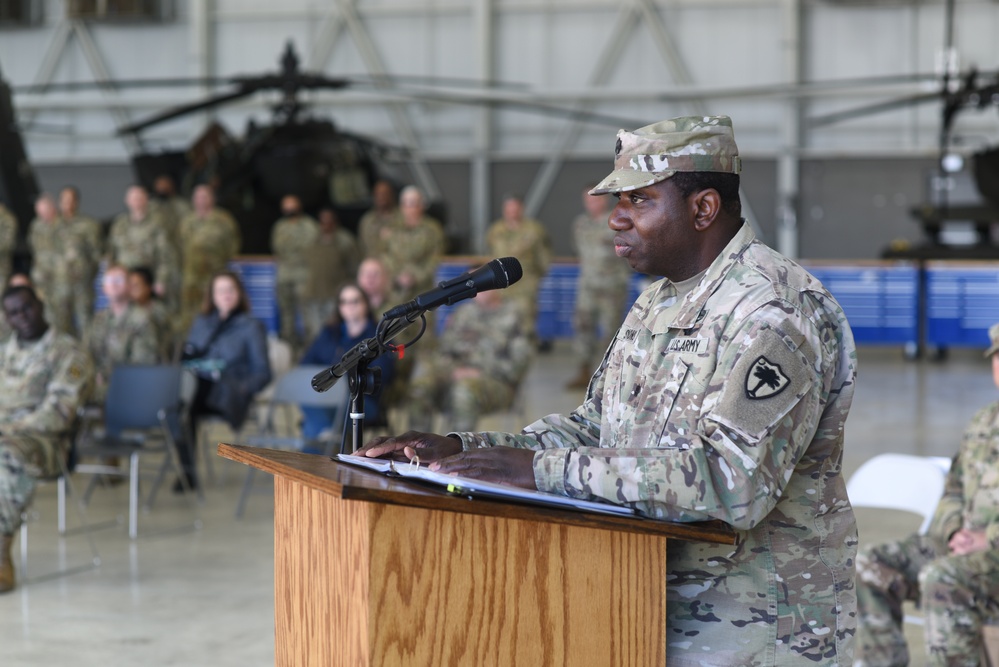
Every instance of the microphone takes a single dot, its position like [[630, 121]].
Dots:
[[497, 274]]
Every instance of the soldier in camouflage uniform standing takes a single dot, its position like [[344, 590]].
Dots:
[[723, 396], [45, 376], [210, 239], [120, 334], [138, 238], [170, 207], [332, 263], [413, 249], [477, 367], [953, 570], [602, 288], [89, 248], [292, 237], [8, 239], [371, 230], [56, 258], [527, 240]]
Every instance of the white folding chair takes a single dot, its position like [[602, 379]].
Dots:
[[900, 482]]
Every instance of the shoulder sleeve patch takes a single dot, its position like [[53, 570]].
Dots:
[[766, 382]]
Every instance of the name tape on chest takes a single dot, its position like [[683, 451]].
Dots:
[[684, 344]]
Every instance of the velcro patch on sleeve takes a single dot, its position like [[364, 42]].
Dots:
[[767, 381]]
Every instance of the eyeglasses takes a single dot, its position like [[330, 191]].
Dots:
[[351, 302]]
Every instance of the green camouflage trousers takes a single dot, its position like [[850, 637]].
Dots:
[[18, 472], [956, 593], [431, 389]]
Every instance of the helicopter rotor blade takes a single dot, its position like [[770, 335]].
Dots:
[[872, 109], [183, 110], [118, 84]]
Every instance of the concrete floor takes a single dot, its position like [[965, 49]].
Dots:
[[205, 597]]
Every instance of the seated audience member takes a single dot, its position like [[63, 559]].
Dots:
[[140, 293], [122, 333], [351, 324], [45, 376], [480, 359], [227, 350], [952, 571], [15, 279]]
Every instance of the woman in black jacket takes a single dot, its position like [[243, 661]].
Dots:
[[226, 349]]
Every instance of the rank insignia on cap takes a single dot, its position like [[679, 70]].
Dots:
[[765, 379]]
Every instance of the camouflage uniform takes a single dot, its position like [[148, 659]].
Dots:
[[415, 249], [491, 340], [41, 386], [163, 325], [332, 262], [135, 243], [956, 592], [290, 240], [602, 288], [529, 243], [208, 245], [57, 258], [130, 338], [89, 249], [371, 231], [171, 212], [8, 239], [677, 425]]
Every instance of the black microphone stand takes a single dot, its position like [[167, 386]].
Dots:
[[362, 380]]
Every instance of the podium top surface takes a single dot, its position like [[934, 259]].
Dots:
[[351, 483]]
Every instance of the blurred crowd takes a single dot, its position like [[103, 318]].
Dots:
[[164, 267]]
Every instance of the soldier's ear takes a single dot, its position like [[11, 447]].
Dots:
[[706, 205]]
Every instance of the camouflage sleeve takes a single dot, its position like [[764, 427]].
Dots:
[[143, 348], [733, 459], [68, 389], [432, 242], [8, 231], [111, 251], [235, 237], [948, 517], [544, 250], [167, 262]]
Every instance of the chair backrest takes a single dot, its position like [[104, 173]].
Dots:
[[279, 354], [900, 482], [137, 394], [295, 386]]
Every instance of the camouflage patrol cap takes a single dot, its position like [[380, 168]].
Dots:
[[994, 339], [655, 152]]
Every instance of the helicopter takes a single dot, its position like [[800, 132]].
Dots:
[[296, 152], [293, 154], [956, 92]]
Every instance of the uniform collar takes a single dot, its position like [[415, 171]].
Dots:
[[691, 309]]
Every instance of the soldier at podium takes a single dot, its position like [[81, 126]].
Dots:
[[722, 396]]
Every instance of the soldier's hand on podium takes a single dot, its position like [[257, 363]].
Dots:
[[405, 447], [505, 465]]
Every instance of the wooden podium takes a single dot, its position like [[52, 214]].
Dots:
[[372, 570]]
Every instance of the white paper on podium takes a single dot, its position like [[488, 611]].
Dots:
[[466, 486]]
